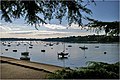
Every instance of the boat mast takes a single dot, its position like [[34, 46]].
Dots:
[[64, 47]]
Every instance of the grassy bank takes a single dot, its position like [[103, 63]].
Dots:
[[95, 70]]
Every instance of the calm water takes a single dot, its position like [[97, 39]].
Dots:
[[76, 58]]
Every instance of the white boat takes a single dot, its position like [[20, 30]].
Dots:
[[63, 54]]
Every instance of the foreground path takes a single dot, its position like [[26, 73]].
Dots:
[[13, 72], [32, 65]]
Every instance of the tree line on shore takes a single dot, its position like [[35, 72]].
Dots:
[[72, 39], [86, 39]]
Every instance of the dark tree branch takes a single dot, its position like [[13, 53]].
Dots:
[[49, 9]]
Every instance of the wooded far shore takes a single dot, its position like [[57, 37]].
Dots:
[[72, 39]]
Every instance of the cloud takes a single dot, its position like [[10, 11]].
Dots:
[[53, 26], [20, 32], [4, 29], [45, 31]]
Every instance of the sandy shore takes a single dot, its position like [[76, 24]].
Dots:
[[19, 69]]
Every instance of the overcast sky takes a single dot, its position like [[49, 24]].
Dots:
[[107, 10]]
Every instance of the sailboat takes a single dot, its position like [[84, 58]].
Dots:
[[25, 55], [84, 47], [63, 54]]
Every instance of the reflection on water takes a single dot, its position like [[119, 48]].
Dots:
[[47, 52], [63, 60]]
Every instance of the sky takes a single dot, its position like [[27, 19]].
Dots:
[[107, 10]]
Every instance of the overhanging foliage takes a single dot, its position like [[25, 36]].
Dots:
[[48, 9], [110, 27]]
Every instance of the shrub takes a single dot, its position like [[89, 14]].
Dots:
[[94, 70]]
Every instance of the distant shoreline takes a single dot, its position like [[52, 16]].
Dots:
[[72, 39]]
